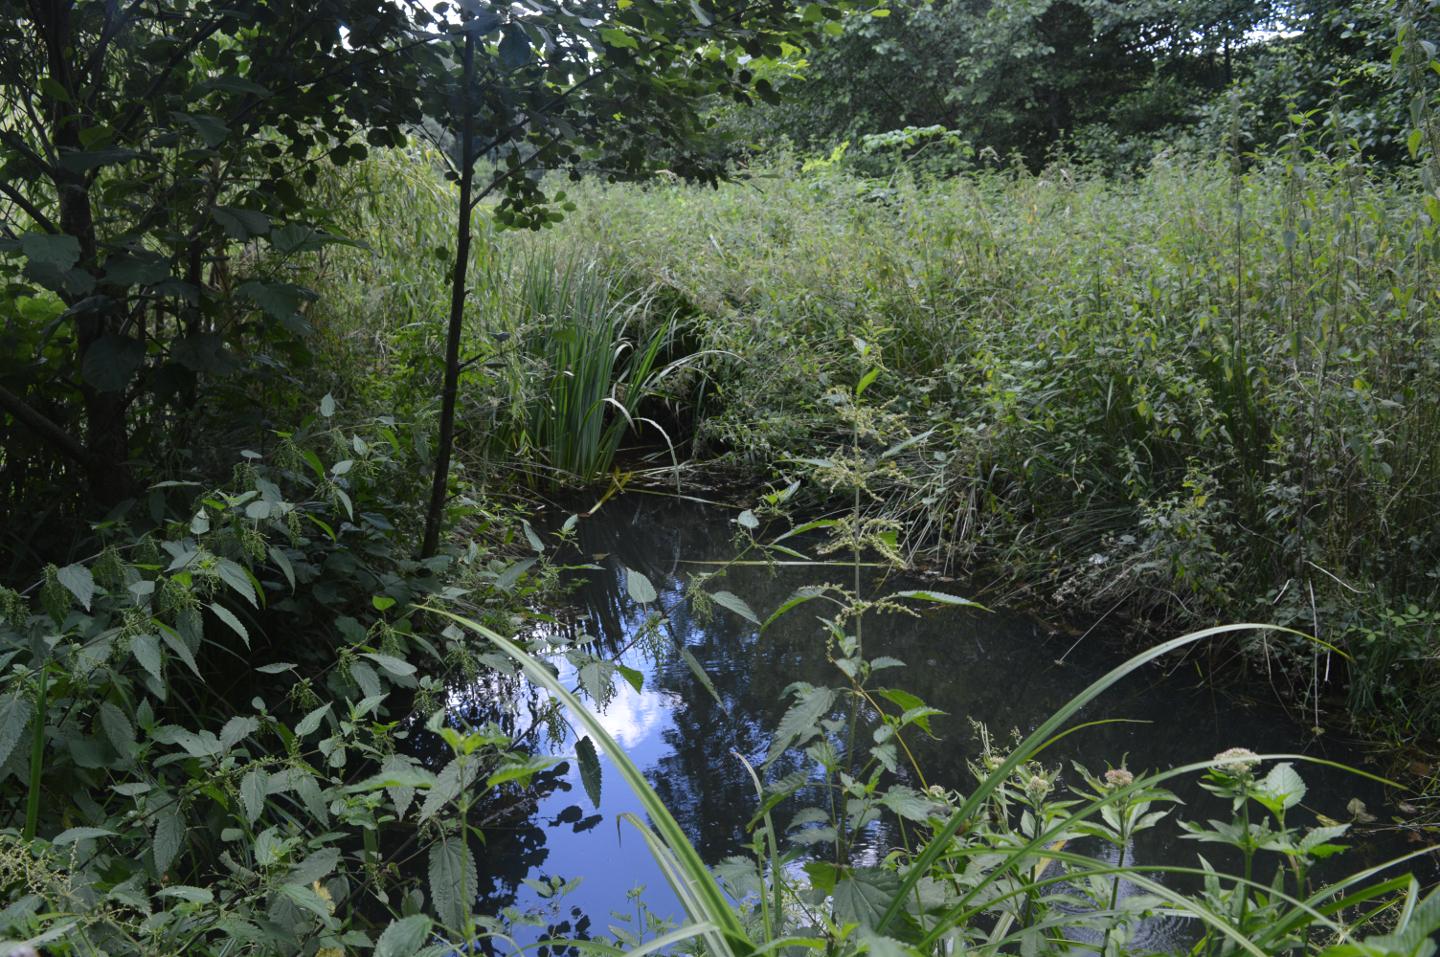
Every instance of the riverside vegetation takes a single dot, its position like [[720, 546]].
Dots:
[[1199, 389]]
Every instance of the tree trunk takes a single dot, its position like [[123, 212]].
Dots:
[[435, 514], [107, 431]]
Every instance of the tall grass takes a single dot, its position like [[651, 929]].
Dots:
[[1210, 391]]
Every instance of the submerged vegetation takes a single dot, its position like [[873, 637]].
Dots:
[[299, 327]]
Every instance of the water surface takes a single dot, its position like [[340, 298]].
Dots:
[[1004, 669]]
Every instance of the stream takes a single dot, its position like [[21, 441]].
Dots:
[[1004, 669]]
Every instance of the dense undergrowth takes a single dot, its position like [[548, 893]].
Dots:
[[1206, 392], [1203, 393]]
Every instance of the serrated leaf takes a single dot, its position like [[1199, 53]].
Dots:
[[15, 712], [736, 604], [79, 582], [252, 793], [117, 727], [169, 836], [391, 664], [802, 719], [74, 834], [311, 721], [453, 883], [146, 649], [447, 787], [227, 616], [404, 937], [801, 595], [177, 644], [589, 761], [938, 597], [184, 892], [863, 897]]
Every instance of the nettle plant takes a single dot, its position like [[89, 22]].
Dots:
[[203, 728]]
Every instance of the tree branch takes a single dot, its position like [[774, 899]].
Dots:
[[57, 437]]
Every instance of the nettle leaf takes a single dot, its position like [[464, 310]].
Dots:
[[453, 883], [802, 721], [184, 892], [863, 897], [117, 727], [75, 834], [252, 793], [404, 937], [15, 711], [736, 604], [639, 587], [311, 722], [589, 762], [939, 597], [78, 580], [396, 666], [1282, 786], [112, 361], [169, 836], [146, 649], [227, 616]]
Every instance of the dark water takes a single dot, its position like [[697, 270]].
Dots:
[[1002, 669]]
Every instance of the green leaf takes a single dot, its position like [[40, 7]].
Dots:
[[453, 883], [252, 793], [736, 604], [639, 587], [382, 602], [192, 895], [700, 674], [939, 597], [146, 649], [112, 361], [589, 761], [619, 39], [327, 409], [169, 835], [311, 721], [279, 300], [79, 582], [117, 727], [136, 269], [53, 252], [211, 129], [177, 644], [801, 595], [862, 897], [1283, 786], [866, 380], [514, 47], [390, 663], [801, 721], [15, 711], [239, 223], [227, 616], [304, 897], [404, 937], [74, 834]]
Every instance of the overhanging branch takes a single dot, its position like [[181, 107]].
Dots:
[[62, 441]]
